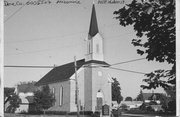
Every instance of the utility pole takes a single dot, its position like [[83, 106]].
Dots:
[[77, 91]]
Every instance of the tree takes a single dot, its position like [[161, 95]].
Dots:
[[140, 96], [171, 91], [128, 99], [43, 99], [160, 97], [14, 102], [124, 107], [163, 101], [154, 19], [7, 93], [116, 91], [12, 98], [172, 106]]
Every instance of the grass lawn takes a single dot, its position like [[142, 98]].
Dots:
[[24, 115]]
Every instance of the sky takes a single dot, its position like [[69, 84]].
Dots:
[[52, 34]]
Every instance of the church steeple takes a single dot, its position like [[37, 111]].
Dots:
[[95, 41], [93, 29]]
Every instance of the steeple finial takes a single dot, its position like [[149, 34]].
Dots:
[[93, 29]]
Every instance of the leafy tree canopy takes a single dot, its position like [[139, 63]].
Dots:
[[14, 102], [128, 99], [43, 99], [26, 82], [154, 19], [140, 97], [116, 91], [8, 91]]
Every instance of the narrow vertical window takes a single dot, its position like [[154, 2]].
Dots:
[[97, 48], [75, 96], [53, 92], [89, 47], [61, 96]]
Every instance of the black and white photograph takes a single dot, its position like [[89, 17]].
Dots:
[[89, 58]]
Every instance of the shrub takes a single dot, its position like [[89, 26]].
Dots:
[[96, 114], [172, 106], [116, 113], [23, 112], [150, 109], [35, 112], [81, 113], [86, 112], [56, 112]]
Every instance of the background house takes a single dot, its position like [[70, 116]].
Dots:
[[131, 104], [148, 97], [115, 105], [25, 92], [153, 100], [148, 100]]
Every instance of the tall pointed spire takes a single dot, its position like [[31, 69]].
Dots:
[[93, 29]]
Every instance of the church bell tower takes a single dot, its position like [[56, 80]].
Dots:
[[97, 88], [94, 41]]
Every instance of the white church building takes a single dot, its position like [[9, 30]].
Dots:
[[94, 83]]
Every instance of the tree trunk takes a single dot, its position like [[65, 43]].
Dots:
[[44, 111]]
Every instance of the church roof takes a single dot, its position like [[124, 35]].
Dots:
[[60, 73], [93, 29], [97, 62], [64, 72]]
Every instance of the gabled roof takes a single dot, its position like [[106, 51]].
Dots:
[[60, 73], [93, 29], [30, 99], [148, 96], [64, 72]]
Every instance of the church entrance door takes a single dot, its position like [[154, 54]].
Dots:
[[99, 101]]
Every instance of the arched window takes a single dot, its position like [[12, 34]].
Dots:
[[60, 96]]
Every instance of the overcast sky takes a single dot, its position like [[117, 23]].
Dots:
[[52, 34]]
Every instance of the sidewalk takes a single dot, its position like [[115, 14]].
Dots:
[[143, 115]]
